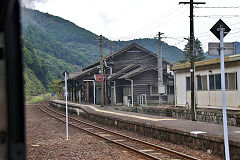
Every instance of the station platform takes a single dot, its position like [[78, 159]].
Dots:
[[199, 135]]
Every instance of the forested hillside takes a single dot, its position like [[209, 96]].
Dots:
[[53, 45]]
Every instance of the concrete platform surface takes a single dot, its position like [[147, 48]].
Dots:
[[209, 131]]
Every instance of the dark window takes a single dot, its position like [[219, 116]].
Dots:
[[211, 82], [188, 83], [199, 83], [218, 81], [230, 81], [226, 81], [202, 83], [171, 90]]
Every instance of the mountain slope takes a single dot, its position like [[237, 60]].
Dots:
[[53, 45], [84, 41]]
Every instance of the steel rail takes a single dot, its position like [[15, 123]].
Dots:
[[123, 145], [153, 146]]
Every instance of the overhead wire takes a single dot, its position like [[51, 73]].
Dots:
[[218, 16], [156, 22], [165, 22], [218, 7]]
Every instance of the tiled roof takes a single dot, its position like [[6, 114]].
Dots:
[[135, 72], [125, 49], [123, 71], [83, 73]]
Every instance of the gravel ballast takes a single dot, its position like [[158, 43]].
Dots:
[[46, 139]]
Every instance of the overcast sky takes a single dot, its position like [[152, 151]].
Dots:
[[131, 19]]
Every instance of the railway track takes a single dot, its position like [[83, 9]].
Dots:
[[138, 146]]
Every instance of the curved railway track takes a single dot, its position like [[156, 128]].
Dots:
[[144, 148]]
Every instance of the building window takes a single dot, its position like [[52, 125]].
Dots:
[[126, 91], [230, 81], [211, 82], [218, 81], [188, 85], [199, 82], [153, 90], [202, 83]]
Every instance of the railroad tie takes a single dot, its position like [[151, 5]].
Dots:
[[104, 135], [119, 140], [146, 150]]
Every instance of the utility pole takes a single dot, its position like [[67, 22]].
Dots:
[[161, 88], [101, 68], [192, 57], [160, 73]]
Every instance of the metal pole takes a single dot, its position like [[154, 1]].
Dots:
[[131, 89], [66, 93], [94, 94], [227, 156]]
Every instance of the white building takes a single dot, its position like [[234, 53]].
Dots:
[[208, 83]]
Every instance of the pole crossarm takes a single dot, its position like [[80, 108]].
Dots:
[[192, 3]]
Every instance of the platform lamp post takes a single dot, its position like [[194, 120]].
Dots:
[[65, 94]]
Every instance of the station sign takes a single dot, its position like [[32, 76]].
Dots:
[[99, 77], [214, 48]]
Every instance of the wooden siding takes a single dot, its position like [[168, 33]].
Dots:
[[141, 83], [131, 57]]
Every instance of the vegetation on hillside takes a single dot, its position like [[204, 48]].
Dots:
[[53, 45]]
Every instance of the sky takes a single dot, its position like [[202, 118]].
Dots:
[[132, 19]]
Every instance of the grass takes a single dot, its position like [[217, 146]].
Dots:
[[38, 98]]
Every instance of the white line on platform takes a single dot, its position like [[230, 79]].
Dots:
[[129, 115], [198, 132]]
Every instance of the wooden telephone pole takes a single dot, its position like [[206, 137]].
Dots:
[[161, 87], [101, 68], [192, 57]]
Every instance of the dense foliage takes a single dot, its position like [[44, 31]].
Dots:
[[199, 53], [53, 45]]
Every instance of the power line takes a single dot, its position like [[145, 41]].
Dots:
[[218, 16], [164, 22], [219, 7], [156, 22]]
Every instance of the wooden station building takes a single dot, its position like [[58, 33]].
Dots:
[[130, 73]]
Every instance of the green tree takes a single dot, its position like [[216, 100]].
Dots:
[[57, 87], [199, 53]]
